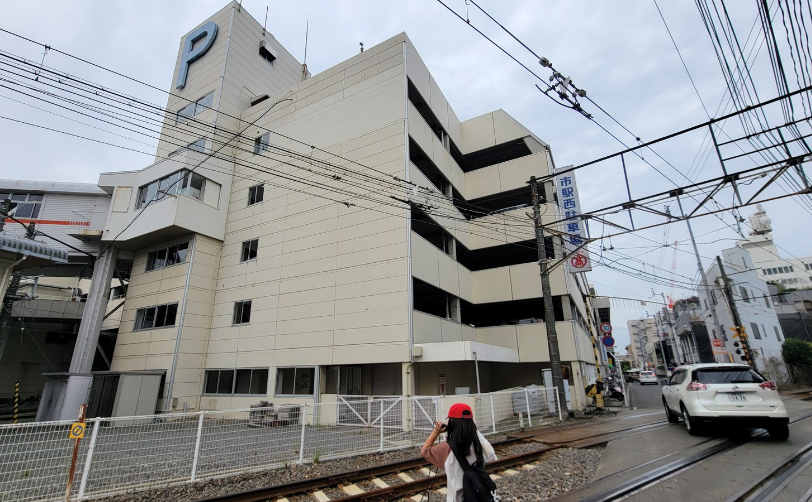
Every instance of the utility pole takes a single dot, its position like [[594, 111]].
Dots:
[[741, 332], [673, 333], [702, 275], [660, 339], [549, 312]]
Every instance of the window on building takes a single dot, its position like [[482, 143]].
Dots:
[[294, 381], [166, 257], [265, 54], [713, 297], [756, 332], [249, 250], [724, 332], [256, 194], [791, 269], [195, 108], [242, 312], [706, 304], [181, 182], [219, 382], [766, 301], [158, 316], [807, 266], [744, 262], [26, 205], [777, 333], [262, 143], [198, 145], [251, 381], [744, 294]]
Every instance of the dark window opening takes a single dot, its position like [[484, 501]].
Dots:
[[517, 312], [744, 294], [265, 54], [505, 152], [251, 381], [428, 299], [502, 256], [427, 167], [424, 110], [242, 312], [256, 194], [249, 250], [259, 99], [505, 201], [426, 228]]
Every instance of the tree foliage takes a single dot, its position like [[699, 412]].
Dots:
[[625, 365], [797, 353]]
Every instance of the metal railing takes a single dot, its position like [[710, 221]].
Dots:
[[125, 454]]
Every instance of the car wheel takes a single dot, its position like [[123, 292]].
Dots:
[[779, 432], [672, 417], [691, 423]]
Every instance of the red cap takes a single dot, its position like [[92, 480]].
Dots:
[[460, 410]]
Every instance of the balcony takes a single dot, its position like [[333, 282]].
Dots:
[[180, 205]]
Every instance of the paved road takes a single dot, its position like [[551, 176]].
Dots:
[[645, 397], [717, 478]]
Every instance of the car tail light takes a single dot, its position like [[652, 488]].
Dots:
[[697, 386], [768, 386]]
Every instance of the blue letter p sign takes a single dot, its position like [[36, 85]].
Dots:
[[205, 36]]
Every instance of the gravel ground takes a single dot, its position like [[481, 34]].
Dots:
[[558, 472]]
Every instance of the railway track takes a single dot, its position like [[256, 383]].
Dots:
[[756, 492], [415, 476]]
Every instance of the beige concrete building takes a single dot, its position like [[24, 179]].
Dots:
[[301, 236]]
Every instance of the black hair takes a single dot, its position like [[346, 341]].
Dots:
[[463, 432]]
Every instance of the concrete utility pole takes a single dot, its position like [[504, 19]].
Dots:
[[734, 312], [702, 275], [660, 339], [673, 333], [549, 312]]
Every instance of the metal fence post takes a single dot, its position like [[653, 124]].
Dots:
[[88, 459], [493, 415], [527, 400], [197, 445], [382, 426], [558, 404], [302, 441]]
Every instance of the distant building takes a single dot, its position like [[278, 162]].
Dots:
[[46, 290], [794, 309], [750, 295], [794, 273]]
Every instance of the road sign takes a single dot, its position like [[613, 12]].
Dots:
[[608, 341], [77, 430], [605, 328], [579, 261], [717, 343]]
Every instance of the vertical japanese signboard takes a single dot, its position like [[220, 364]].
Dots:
[[573, 227]]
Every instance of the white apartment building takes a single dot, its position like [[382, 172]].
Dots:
[[756, 311], [791, 273], [301, 237]]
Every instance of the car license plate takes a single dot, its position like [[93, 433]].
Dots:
[[737, 396]]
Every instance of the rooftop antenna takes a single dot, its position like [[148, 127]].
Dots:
[[362, 46], [266, 21], [304, 63]]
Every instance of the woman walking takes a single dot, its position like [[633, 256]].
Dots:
[[464, 443]]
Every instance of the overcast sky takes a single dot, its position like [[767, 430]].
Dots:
[[619, 52]]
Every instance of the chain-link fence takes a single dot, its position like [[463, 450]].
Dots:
[[126, 454]]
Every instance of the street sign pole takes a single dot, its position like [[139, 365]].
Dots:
[[82, 411]]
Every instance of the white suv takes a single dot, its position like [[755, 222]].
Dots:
[[733, 394], [648, 377]]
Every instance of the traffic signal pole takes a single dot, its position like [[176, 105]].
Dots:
[[549, 312], [741, 333]]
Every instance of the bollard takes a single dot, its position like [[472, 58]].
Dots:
[[16, 399]]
